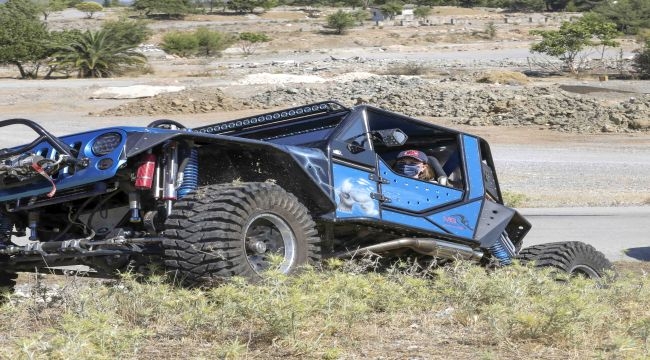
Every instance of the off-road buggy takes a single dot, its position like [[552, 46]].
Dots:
[[305, 183]]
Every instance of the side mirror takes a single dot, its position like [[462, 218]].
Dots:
[[390, 137]]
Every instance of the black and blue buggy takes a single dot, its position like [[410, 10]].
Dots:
[[291, 187]]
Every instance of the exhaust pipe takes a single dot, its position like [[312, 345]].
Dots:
[[432, 247]]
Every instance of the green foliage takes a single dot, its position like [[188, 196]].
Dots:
[[167, 8], [211, 42], [180, 43], [523, 307], [601, 29], [391, 9], [128, 32], [203, 41], [243, 6], [23, 37], [46, 7], [630, 16], [340, 21], [250, 41], [98, 54], [642, 61], [572, 38], [513, 199], [89, 7], [422, 12]]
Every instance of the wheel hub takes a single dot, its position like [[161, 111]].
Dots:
[[268, 235]]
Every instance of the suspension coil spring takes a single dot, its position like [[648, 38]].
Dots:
[[190, 175], [503, 250]]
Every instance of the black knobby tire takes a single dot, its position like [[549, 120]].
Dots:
[[573, 257], [229, 230]]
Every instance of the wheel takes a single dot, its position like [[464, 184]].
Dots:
[[573, 257], [233, 230]]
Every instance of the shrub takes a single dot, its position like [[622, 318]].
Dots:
[[203, 41], [180, 43], [89, 7], [133, 32], [642, 61], [250, 41], [340, 21], [211, 42]]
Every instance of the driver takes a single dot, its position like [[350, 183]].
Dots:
[[413, 164]]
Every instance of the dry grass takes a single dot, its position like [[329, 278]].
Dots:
[[503, 77], [342, 312]]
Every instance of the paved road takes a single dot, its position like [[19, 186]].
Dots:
[[621, 233]]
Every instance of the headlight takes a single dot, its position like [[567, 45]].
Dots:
[[106, 143]]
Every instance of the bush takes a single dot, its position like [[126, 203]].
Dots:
[[89, 7], [340, 21], [642, 61], [132, 32], [250, 41], [203, 41], [180, 43], [211, 42]]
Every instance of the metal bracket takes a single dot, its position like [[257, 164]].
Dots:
[[378, 179], [379, 197]]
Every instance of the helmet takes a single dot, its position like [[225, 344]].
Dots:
[[414, 164]]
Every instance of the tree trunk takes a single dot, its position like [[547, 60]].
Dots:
[[23, 75]]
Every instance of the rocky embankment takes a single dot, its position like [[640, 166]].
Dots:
[[462, 100]]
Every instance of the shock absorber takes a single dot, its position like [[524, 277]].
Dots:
[[169, 176], [190, 174]]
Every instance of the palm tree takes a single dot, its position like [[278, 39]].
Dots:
[[97, 54]]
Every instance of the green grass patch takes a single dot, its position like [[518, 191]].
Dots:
[[340, 312]]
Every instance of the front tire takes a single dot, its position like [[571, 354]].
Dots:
[[222, 231], [573, 257]]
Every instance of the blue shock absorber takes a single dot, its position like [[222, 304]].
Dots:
[[503, 250], [190, 175]]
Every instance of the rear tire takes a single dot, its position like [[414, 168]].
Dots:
[[573, 257], [222, 231]]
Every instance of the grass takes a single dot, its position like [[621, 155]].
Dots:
[[514, 199], [340, 312]]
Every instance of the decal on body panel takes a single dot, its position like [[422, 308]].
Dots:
[[353, 197]]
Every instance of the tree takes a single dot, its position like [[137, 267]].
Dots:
[[525, 5], [422, 12], [203, 41], [89, 7], [242, 6], [250, 41], [132, 32], [98, 54], [211, 42], [23, 37], [601, 29], [168, 8], [641, 62], [58, 40], [630, 16], [46, 7], [391, 9], [570, 40], [340, 21]]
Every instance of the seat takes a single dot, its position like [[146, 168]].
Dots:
[[440, 175]]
